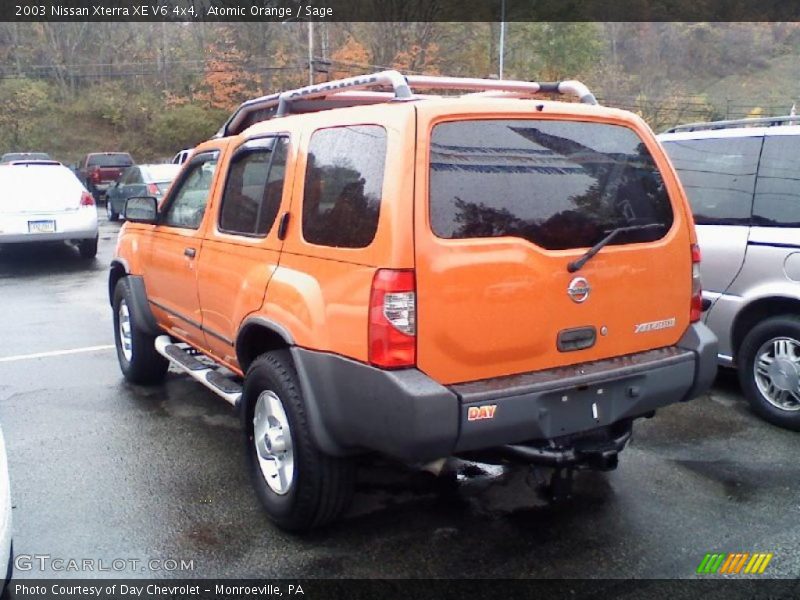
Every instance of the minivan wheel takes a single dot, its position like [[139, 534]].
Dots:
[[769, 370], [300, 486], [136, 351]]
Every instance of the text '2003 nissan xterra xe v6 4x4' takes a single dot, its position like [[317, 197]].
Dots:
[[361, 268]]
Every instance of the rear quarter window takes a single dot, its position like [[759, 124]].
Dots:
[[718, 175], [777, 197], [557, 184], [343, 186]]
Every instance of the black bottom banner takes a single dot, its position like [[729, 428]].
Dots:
[[411, 589]]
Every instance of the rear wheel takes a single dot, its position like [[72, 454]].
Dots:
[[299, 486], [88, 248], [136, 351], [769, 370]]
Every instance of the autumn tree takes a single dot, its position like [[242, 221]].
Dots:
[[226, 81]]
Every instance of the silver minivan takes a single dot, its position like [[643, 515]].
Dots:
[[742, 179]]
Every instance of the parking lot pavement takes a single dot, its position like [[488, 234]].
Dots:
[[102, 470]]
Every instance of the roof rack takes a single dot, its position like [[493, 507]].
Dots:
[[730, 124], [369, 89]]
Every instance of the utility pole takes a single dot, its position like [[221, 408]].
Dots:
[[502, 35], [310, 53]]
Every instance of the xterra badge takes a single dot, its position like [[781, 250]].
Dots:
[[654, 325], [476, 413]]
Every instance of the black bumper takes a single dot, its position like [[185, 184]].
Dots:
[[405, 414]]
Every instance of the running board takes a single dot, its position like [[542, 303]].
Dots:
[[222, 386]]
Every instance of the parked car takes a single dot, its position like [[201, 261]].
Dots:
[[182, 156], [9, 157], [490, 277], [139, 180], [6, 531], [741, 180], [43, 201], [99, 170]]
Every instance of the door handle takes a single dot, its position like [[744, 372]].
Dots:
[[190, 252]]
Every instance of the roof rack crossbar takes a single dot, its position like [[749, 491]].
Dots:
[[708, 125], [401, 86]]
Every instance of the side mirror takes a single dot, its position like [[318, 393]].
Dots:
[[141, 209]]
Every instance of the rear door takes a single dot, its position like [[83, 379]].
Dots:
[[719, 177], [242, 246], [503, 206]]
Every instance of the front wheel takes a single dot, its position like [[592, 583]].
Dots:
[[136, 351], [299, 486], [769, 370]]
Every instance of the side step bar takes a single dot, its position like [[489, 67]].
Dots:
[[224, 387]]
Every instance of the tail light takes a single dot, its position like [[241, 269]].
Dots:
[[393, 319], [696, 310], [95, 175], [152, 189], [87, 199]]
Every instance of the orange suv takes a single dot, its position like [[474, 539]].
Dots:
[[359, 267]]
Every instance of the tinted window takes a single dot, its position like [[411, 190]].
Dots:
[[188, 204], [344, 180], [130, 176], [719, 176], [110, 160], [777, 199], [557, 184], [254, 187], [160, 173], [12, 156]]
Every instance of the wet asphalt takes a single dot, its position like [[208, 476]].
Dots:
[[103, 470]]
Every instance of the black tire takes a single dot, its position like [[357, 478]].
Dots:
[[145, 366], [322, 485], [88, 248], [112, 216], [775, 327]]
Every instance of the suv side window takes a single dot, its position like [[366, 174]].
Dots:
[[254, 187], [719, 176], [187, 205], [777, 198], [343, 185]]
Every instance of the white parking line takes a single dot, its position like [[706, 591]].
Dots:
[[53, 353]]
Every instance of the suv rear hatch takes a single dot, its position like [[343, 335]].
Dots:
[[505, 204]]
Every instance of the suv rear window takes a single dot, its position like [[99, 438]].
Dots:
[[344, 182], [718, 175], [557, 184], [109, 160]]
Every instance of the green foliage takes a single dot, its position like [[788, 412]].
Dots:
[[23, 106], [553, 51], [183, 127]]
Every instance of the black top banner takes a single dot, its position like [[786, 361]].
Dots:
[[398, 10]]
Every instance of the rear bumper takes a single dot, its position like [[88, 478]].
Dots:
[[69, 225], [407, 415]]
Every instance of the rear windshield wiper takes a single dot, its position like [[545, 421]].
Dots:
[[578, 263]]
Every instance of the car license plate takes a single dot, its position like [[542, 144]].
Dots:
[[41, 226]]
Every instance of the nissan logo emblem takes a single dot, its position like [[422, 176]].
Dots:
[[579, 289]]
